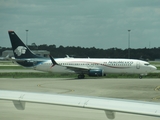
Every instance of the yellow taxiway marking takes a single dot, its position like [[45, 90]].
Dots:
[[66, 90], [156, 98], [157, 88], [39, 85]]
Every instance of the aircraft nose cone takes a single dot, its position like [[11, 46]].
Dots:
[[153, 68]]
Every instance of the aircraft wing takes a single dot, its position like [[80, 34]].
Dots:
[[109, 105], [77, 69]]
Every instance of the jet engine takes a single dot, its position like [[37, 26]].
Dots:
[[95, 72]]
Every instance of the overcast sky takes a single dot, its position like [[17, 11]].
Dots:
[[85, 23]]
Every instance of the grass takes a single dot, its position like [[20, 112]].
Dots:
[[158, 68], [155, 62], [12, 67], [57, 75], [6, 62]]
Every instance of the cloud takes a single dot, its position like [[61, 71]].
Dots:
[[86, 23]]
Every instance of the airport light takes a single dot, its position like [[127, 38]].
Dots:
[[129, 44], [27, 37]]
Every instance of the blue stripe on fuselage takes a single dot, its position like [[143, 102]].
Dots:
[[30, 62]]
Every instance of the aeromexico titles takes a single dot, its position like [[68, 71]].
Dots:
[[81, 66]]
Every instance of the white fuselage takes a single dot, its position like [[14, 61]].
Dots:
[[129, 66]]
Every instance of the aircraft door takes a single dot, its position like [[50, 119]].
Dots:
[[138, 65]]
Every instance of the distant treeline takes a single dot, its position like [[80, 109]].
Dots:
[[81, 52]]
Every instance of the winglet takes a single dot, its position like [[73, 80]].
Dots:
[[53, 61]]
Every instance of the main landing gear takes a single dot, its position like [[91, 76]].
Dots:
[[81, 76], [140, 77]]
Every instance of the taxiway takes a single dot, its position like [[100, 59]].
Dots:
[[135, 89]]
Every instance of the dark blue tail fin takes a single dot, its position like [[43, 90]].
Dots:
[[20, 50]]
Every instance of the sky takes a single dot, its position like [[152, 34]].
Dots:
[[85, 23]]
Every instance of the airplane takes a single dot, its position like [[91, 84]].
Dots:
[[109, 105], [81, 66], [5, 58]]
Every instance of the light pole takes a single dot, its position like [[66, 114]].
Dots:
[[27, 37], [129, 44]]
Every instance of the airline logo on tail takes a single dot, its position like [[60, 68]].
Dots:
[[20, 50]]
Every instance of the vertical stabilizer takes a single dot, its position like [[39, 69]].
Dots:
[[20, 50]]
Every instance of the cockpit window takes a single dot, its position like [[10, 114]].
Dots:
[[146, 64]]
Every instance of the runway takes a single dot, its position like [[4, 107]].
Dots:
[[135, 89]]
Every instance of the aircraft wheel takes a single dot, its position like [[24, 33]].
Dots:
[[140, 77], [81, 76]]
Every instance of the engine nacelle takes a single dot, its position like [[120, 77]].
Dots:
[[95, 72]]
